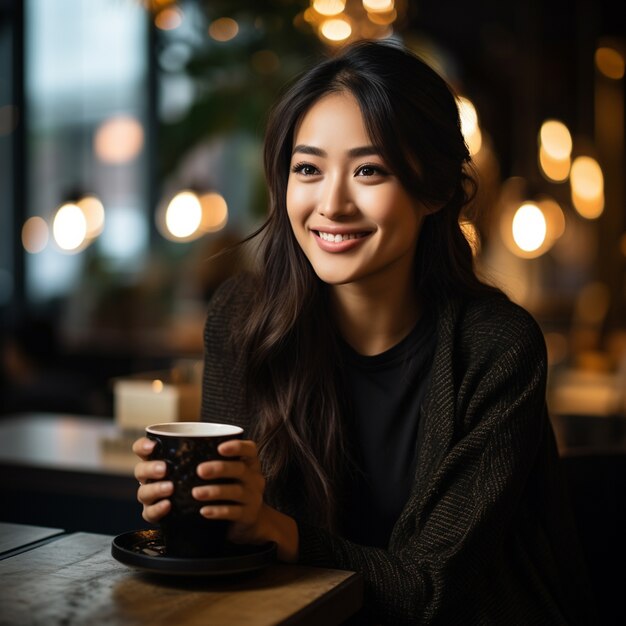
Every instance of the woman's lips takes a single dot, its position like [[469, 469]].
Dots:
[[339, 242]]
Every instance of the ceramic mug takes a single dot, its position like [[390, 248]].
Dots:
[[183, 446]]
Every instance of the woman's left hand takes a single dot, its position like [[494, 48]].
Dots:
[[253, 521], [246, 507]]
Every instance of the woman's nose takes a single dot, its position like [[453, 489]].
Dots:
[[336, 201]]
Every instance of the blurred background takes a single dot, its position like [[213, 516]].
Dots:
[[130, 153]]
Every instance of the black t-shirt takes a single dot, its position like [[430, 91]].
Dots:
[[384, 393]]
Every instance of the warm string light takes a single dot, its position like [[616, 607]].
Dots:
[[328, 7], [555, 148], [69, 227], [74, 225], [119, 139], [189, 215], [223, 29], [167, 14], [583, 173], [529, 228], [35, 235], [337, 22], [610, 62], [336, 30], [168, 18], [469, 125], [587, 187]]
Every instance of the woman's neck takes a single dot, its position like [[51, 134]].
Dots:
[[373, 318]]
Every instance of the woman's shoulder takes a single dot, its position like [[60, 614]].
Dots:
[[231, 301], [237, 289], [495, 323]]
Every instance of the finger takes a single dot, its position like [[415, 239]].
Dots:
[[232, 512], [234, 492], [153, 492], [222, 469], [143, 447], [155, 512], [149, 470], [238, 447]]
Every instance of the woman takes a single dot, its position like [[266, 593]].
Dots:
[[395, 404]]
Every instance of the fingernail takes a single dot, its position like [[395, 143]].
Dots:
[[207, 511], [160, 467], [147, 445], [166, 487]]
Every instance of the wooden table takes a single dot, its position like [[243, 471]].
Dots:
[[74, 580], [16, 538]]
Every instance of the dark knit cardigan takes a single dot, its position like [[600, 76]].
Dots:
[[486, 536]]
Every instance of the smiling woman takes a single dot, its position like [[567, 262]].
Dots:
[[394, 404]]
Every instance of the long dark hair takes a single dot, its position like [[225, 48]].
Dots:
[[293, 377]]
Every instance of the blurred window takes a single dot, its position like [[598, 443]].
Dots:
[[86, 81]]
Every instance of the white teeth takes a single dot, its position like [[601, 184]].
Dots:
[[338, 238]]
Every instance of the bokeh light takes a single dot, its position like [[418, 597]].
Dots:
[[168, 18], [214, 212], [119, 139], [555, 218], [35, 235], [190, 215], [183, 215], [556, 170], [336, 30], [69, 228], [93, 210], [378, 6], [469, 125], [383, 19], [529, 228], [587, 187], [329, 7], [223, 29], [610, 62], [555, 139]]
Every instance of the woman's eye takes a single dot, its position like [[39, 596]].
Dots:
[[370, 170], [306, 169]]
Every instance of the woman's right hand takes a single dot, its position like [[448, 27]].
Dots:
[[153, 495]]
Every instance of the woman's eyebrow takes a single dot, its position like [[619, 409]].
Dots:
[[363, 151], [303, 149], [353, 152]]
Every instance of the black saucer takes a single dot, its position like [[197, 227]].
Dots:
[[144, 549]]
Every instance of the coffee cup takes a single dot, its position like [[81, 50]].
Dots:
[[183, 446]]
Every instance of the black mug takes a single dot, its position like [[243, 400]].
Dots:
[[183, 446]]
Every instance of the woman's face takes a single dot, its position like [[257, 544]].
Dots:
[[351, 216]]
